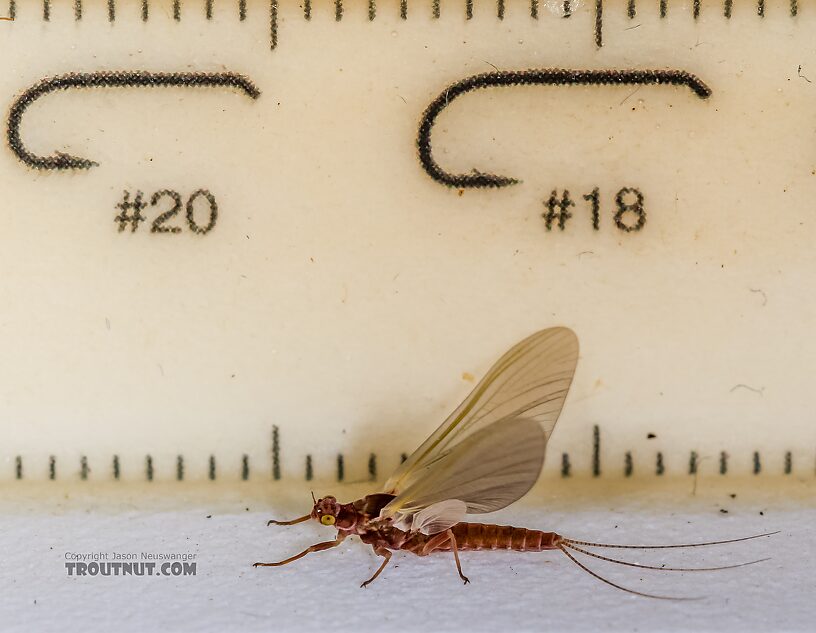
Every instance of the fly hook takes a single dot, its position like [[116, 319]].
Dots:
[[106, 79], [540, 77]]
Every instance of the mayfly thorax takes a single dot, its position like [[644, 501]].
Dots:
[[486, 455]]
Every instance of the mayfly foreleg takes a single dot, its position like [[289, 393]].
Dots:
[[318, 547], [292, 522], [386, 554]]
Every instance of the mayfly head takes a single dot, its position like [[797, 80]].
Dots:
[[326, 510], [331, 513]]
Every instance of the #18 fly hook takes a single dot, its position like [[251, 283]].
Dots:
[[539, 77]]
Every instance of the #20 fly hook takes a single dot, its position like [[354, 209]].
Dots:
[[106, 79]]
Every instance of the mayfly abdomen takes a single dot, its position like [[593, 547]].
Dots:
[[478, 536]]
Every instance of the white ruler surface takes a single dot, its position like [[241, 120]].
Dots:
[[243, 240]]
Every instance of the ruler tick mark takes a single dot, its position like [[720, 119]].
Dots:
[[565, 465], [631, 10], [242, 10], [177, 10], [47, 10], [208, 9], [435, 7], [12, 9], [273, 24], [534, 9], [500, 9], [596, 451], [372, 10], [469, 9], [372, 467], [794, 8], [696, 9], [727, 8], [307, 9], [276, 469], [761, 8], [598, 23], [145, 10], [664, 7], [404, 9], [111, 10]]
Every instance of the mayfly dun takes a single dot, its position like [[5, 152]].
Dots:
[[486, 455]]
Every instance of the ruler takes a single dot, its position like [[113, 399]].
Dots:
[[247, 240]]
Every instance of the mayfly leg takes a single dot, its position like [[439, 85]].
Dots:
[[455, 549], [292, 522], [318, 547], [438, 541], [386, 554]]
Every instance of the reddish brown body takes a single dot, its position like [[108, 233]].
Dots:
[[361, 518], [480, 536]]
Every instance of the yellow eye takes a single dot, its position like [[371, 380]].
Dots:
[[327, 519]]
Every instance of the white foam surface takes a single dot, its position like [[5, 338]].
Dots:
[[226, 528]]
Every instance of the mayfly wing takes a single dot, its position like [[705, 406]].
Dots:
[[490, 449], [436, 517], [530, 380], [486, 471]]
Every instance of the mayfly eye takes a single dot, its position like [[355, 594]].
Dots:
[[327, 519]]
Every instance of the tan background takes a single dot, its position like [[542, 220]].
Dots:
[[345, 297]]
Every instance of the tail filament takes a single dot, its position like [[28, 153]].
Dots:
[[565, 544]]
